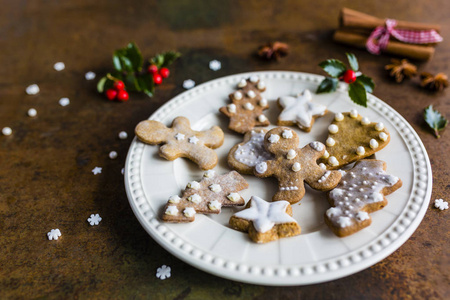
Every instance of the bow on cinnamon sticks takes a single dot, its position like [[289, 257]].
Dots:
[[402, 38]]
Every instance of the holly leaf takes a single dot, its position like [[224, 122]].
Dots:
[[131, 82], [164, 59], [101, 84], [335, 68], [146, 84], [357, 93], [352, 61], [367, 82], [135, 57], [327, 85], [435, 120], [121, 61]]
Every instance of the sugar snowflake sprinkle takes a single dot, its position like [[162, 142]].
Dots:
[[215, 65], [441, 204], [188, 84], [32, 89], [163, 272], [89, 75], [7, 131], [94, 219], [59, 66], [54, 234], [64, 101], [97, 170]]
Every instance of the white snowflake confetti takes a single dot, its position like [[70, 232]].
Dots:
[[89, 75], [32, 112], [215, 65], [113, 154], [94, 219], [32, 89], [122, 171], [64, 101], [54, 234], [441, 204], [123, 135], [59, 66], [6, 131], [97, 170], [163, 272], [188, 84]]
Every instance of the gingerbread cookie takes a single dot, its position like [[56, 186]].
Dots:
[[246, 110], [351, 138], [182, 141], [244, 156], [265, 221], [360, 192], [292, 165], [205, 197], [300, 111]]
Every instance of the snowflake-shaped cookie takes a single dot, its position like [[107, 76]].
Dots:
[[94, 219], [54, 234], [163, 272], [441, 204]]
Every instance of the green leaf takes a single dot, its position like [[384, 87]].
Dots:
[[435, 120], [146, 85], [367, 82], [352, 61], [357, 93], [335, 68], [170, 57], [131, 83], [134, 56], [327, 85], [101, 84], [121, 61]]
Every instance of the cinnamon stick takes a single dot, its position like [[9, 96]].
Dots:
[[412, 51], [352, 19]]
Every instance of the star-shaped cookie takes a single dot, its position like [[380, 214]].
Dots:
[[300, 111]]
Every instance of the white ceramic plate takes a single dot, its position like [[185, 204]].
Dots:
[[316, 255]]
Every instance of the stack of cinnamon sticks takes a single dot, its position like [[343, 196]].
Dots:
[[355, 28]]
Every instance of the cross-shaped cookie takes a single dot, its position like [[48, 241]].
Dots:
[[246, 110], [182, 141], [360, 192], [292, 165], [300, 111], [205, 197]]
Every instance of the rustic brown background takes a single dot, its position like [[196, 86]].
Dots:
[[45, 166]]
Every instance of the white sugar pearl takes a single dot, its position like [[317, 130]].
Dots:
[[113, 154], [373, 144], [333, 161], [6, 131], [262, 118], [365, 121], [326, 154], [32, 89], [360, 150], [248, 106], [231, 108], [32, 112], [89, 75], [330, 142], [379, 126], [251, 94], [59, 66], [263, 102], [296, 167], [242, 83], [291, 154], [383, 136], [123, 135], [254, 78], [261, 85], [339, 117], [354, 113], [333, 128], [237, 95]]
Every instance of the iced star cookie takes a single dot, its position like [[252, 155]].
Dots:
[[182, 141], [292, 165], [247, 106], [207, 196], [360, 192], [300, 111], [352, 137], [265, 221], [244, 156]]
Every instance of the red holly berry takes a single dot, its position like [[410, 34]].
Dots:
[[119, 85], [122, 95], [111, 94], [349, 76], [152, 69], [164, 72], [157, 79]]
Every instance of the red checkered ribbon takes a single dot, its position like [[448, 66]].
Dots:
[[382, 34]]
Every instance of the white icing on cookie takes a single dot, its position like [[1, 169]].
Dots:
[[234, 197], [296, 167], [171, 210], [248, 106], [254, 79], [365, 121], [265, 215], [174, 199], [324, 177], [379, 126], [237, 95], [231, 108], [263, 102], [251, 94], [287, 134], [326, 154], [253, 152], [322, 165], [261, 167], [373, 144], [354, 113], [242, 83], [360, 150], [193, 185], [193, 140], [189, 212], [330, 142], [273, 138], [179, 136], [300, 109], [262, 118], [333, 128], [333, 161], [209, 174], [214, 205], [383, 136], [318, 146], [291, 154], [195, 198], [216, 188], [261, 85], [338, 117]]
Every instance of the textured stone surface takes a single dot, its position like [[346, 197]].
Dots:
[[45, 175]]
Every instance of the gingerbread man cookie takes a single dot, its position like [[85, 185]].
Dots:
[[205, 197], [360, 192], [352, 137], [182, 141], [300, 111], [292, 165], [246, 110], [244, 156], [265, 221]]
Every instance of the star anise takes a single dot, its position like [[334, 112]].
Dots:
[[274, 50], [432, 82], [399, 69]]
